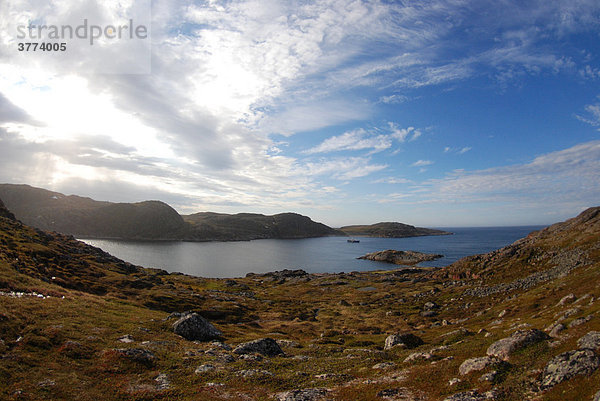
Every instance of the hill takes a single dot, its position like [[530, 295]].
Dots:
[[149, 220], [390, 230], [247, 226], [515, 324]]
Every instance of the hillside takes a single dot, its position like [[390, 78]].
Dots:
[[149, 220], [517, 324], [246, 226], [390, 230]]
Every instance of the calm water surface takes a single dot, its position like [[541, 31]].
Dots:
[[315, 255]]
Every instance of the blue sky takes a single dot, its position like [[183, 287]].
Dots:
[[433, 113]]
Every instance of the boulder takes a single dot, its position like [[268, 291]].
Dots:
[[407, 340], [472, 395], [568, 364], [139, 355], [476, 364], [263, 346], [307, 394], [518, 340], [590, 341], [597, 396], [193, 327]]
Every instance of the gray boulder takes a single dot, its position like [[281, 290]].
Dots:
[[476, 364], [307, 394], [567, 365], [590, 341], [407, 340], [193, 327], [263, 346], [519, 339]]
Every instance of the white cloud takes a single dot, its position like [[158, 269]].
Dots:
[[422, 163], [593, 115]]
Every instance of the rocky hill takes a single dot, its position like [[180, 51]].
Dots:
[[390, 230], [521, 323], [152, 220]]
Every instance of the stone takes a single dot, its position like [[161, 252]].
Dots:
[[138, 355], [590, 341], [557, 329], [204, 368], [597, 396], [407, 340], [162, 381], [126, 339], [194, 327], [307, 394], [430, 305], [415, 356], [472, 395], [518, 340], [384, 365], [567, 365], [567, 299], [476, 364], [489, 377], [263, 346], [579, 321], [253, 373]]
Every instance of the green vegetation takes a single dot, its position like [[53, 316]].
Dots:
[[77, 323]]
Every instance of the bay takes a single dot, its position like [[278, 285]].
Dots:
[[315, 255]]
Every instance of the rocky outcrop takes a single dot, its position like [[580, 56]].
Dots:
[[263, 346], [400, 257], [503, 348], [567, 365], [138, 355], [590, 341], [405, 340], [192, 326]]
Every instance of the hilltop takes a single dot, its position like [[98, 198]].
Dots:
[[148, 220], [518, 323], [390, 230]]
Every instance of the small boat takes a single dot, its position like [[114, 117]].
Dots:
[[353, 241]]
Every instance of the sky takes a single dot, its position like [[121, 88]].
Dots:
[[435, 113]]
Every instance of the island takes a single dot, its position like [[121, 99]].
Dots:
[[400, 257], [390, 230]]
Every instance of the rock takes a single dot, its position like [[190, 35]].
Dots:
[[580, 321], [430, 306], [253, 373], [567, 299], [407, 340], [597, 396], [557, 329], [472, 395], [307, 394], [400, 257], [288, 344], [343, 302], [384, 365], [476, 364], [502, 314], [590, 341], [454, 381], [126, 339], [519, 339], [429, 313], [192, 327], [568, 364], [163, 382], [398, 394], [204, 368], [263, 346], [138, 355], [417, 356], [489, 377]]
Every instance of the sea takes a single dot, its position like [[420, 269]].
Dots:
[[314, 255]]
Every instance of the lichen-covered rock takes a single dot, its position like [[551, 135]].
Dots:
[[568, 364], [139, 355], [519, 339], [472, 395], [263, 346], [307, 394], [407, 340], [475, 364], [597, 396], [590, 341], [193, 327]]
